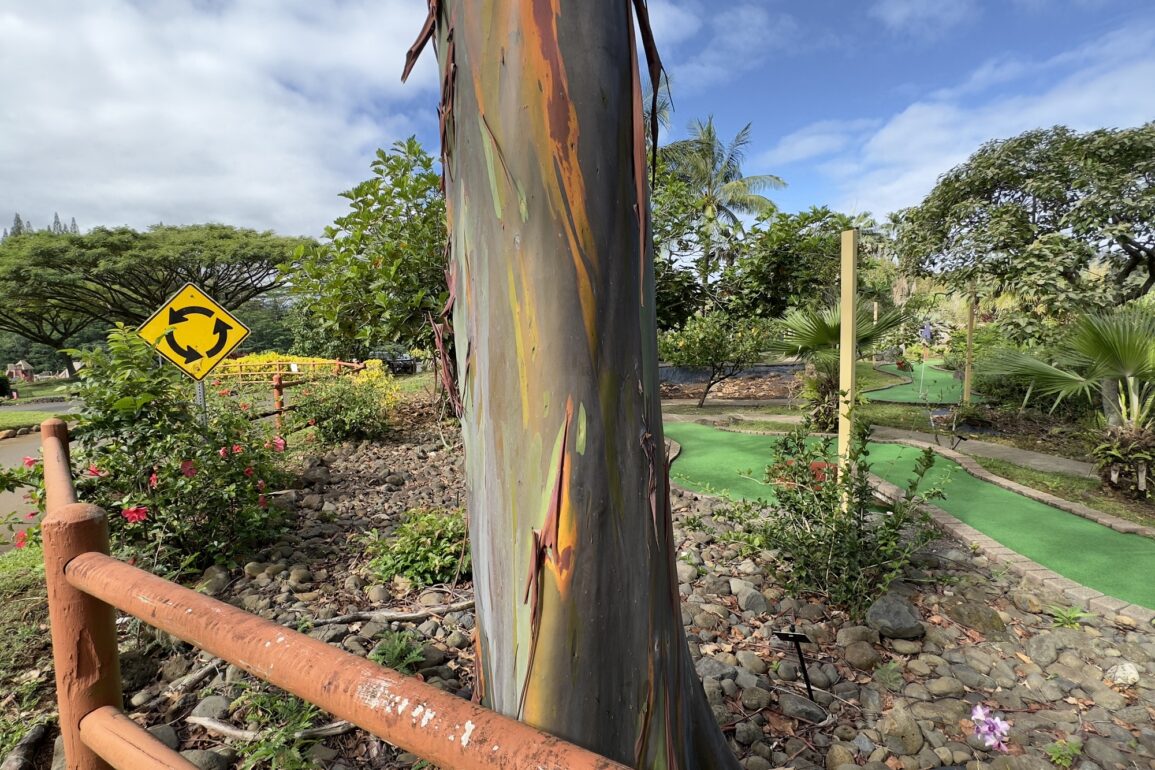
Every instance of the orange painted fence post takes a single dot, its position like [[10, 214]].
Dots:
[[83, 627], [278, 399]]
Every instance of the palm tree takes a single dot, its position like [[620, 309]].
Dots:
[[713, 170], [812, 335], [1105, 353]]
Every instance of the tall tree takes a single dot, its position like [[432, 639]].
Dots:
[[379, 272], [18, 226], [124, 275], [713, 170], [545, 173], [1062, 218], [57, 226]]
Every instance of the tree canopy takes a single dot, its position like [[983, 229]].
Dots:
[[1062, 218], [379, 272], [56, 284]]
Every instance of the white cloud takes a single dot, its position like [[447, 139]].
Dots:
[[739, 39], [814, 141], [255, 113], [1101, 84], [673, 23], [925, 19]]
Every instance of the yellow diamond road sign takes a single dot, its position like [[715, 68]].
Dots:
[[193, 331]]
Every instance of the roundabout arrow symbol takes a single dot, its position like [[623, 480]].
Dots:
[[180, 315], [221, 329], [189, 354]]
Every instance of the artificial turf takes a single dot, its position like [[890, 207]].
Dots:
[[928, 385], [1115, 563]]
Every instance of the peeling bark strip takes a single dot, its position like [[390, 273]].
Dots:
[[579, 628]]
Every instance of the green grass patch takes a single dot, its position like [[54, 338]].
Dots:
[[1077, 489], [904, 416], [869, 378], [42, 389], [26, 684], [12, 420], [928, 385], [414, 384], [769, 426]]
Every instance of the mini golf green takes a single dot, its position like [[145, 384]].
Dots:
[[928, 385], [1119, 565]]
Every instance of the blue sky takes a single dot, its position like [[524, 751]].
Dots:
[[259, 112]]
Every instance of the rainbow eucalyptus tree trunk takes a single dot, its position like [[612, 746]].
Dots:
[[573, 559]]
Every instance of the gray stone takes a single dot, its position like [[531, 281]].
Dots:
[[708, 666], [851, 634], [378, 593], [166, 735], [1125, 674], [975, 615], [751, 662], [214, 580], [58, 762], [755, 698], [863, 745], [747, 732], [752, 600], [838, 755], [687, 573], [901, 732], [906, 646], [894, 617], [206, 760], [213, 707], [863, 656], [1043, 649], [457, 640], [1019, 762], [757, 763], [797, 707], [1108, 698], [945, 686]]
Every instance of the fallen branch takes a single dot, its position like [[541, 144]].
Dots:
[[24, 752], [238, 733], [183, 684], [396, 617]]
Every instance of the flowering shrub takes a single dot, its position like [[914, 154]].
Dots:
[[351, 406], [180, 493], [266, 363]]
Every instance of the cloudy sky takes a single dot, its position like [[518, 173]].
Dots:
[[259, 112]]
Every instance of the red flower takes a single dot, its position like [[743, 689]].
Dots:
[[311, 421], [278, 444], [262, 501], [135, 514], [188, 468], [237, 449], [244, 407], [31, 515], [95, 472], [249, 471], [153, 481], [223, 451], [21, 539], [260, 485], [29, 462]]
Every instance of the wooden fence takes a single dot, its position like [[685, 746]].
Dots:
[[86, 587]]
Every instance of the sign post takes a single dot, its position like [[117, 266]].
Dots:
[[195, 334]]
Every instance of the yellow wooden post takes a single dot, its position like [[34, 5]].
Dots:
[[969, 369], [848, 344]]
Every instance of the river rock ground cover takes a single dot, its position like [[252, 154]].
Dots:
[[895, 690]]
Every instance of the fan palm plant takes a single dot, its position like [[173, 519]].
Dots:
[[812, 335], [1105, 353]]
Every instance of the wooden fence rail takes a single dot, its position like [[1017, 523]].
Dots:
[[86, 586]]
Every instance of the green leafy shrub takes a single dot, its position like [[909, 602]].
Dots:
[[720, 343], [180, 492], [430, 546], [1063, 753], [349, 407], [397, 650], [280, 720], [837, 539]]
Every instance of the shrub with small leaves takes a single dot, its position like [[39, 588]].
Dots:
[[837, 539], [181, 492], [348, 407], [1063, 753], [430, 546], [280, 720]]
